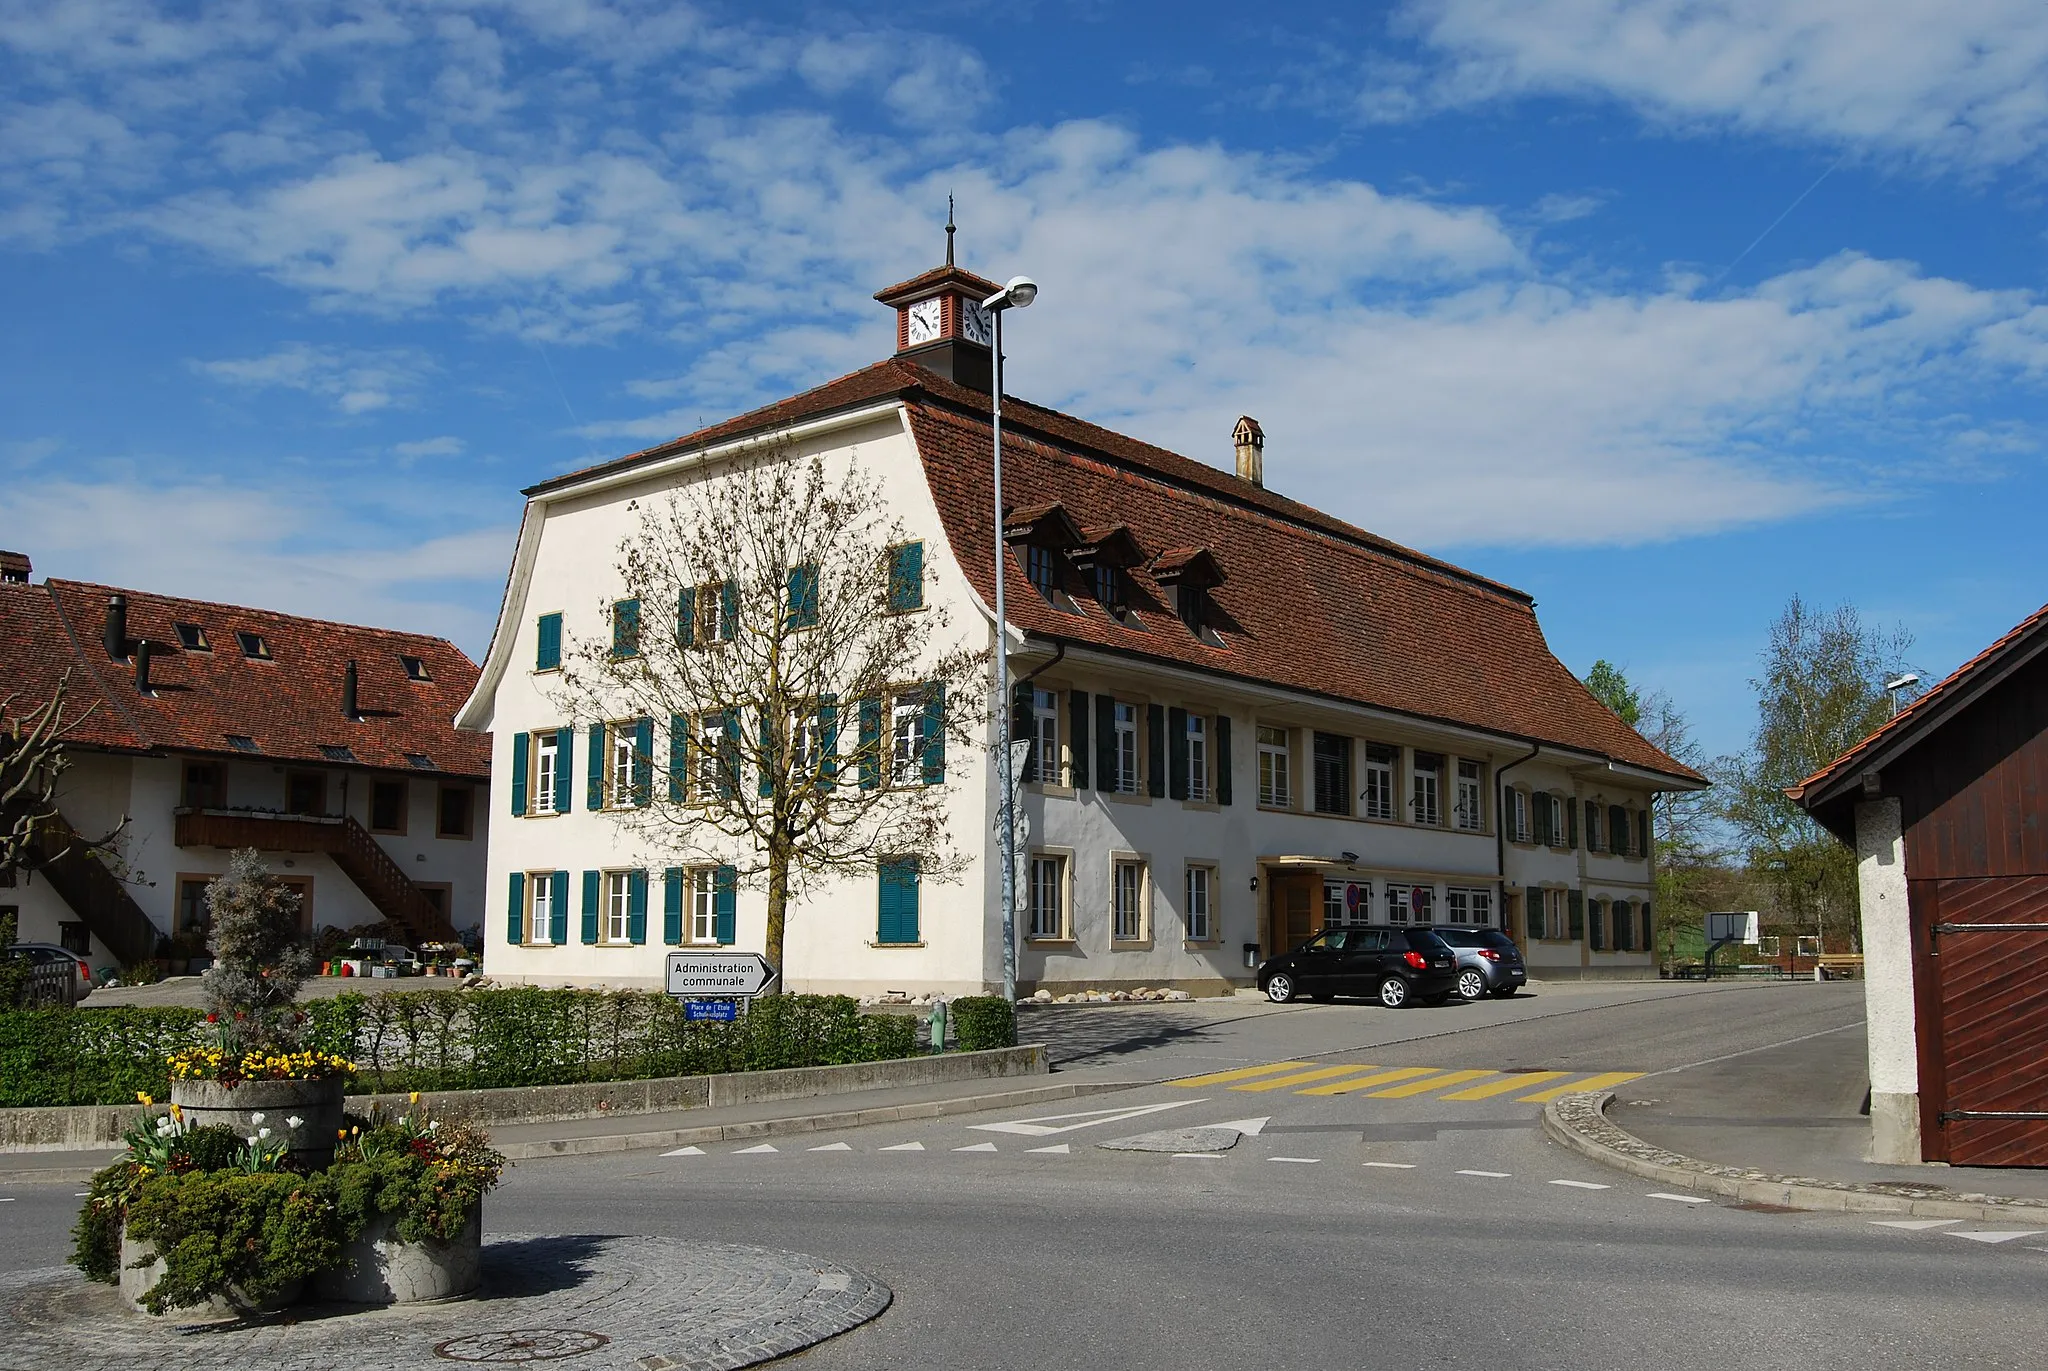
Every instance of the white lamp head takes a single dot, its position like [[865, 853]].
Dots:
[[1021, 291]]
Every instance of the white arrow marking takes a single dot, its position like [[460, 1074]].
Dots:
[[903, 1147], [977, 1147], [1063, 1149], [1305, 1161], [1251, 1128], [1491, 1175], [1583, 1185], [1682, 1199], [685, 1152], [1043, 1125], [761, 1147], [1917, 1225], [1394, 1166], [834, 1147], [1995, 1234]]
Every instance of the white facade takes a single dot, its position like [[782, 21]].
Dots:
[[1108, 929]]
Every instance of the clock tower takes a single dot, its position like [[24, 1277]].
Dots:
[[940, 323]]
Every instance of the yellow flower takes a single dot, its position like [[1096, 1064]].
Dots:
[[145, 1099], [414, 1097], [178, 1113]]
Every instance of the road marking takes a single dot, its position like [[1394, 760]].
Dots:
[[1305, 1161], [977, 1147], [1063, 1149], [1402, 1092], [1994, 1234], [1600, 1082], [1584, 1185], [1495, 1175], [903, 1147], [1251, 1128], [6, 1199], [1916, 1225], [1243, 1073], [1210, 1156], [1321, 1073], [685, 1152], [1089, 1118], [1517, 1081], [834, 1147], [1393, 1166], [1402, 1073], [1682, 1199], [760, 1147]]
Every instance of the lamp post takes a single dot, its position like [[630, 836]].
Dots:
[[1020, 292]]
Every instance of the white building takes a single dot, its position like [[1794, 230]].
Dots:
[[1251, 719], [210, 727]]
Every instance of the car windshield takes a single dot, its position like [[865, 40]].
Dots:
[[1422, 940]]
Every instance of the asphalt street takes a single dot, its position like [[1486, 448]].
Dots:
[[1382, 1197]]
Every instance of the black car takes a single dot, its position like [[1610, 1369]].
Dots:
[[1489, 963], [1392, 965]]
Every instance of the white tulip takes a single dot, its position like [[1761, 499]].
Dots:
[[293, 1122], [262, 1132], [255, 1118]]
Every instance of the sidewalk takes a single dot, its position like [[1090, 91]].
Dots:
[[1792, 1110]]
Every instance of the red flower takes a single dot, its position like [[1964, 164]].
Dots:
[[213, 1018]]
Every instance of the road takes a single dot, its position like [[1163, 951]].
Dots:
[[1350, 1227]]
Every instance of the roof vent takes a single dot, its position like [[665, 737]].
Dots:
[[348, 692], [142, 668], [1251, 450], [114, 634]]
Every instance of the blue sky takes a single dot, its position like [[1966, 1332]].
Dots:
[[1664, 310]]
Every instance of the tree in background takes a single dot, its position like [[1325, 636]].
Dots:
[[260, 956], [774, 621], [1821, 692], [32, 759], [1611, 688]]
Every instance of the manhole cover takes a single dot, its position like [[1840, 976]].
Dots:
[[521, 1344]]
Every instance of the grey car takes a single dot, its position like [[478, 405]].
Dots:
[[1489, 963]]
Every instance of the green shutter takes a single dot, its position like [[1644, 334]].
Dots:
[[686, 616], [935, 733], [548, 650], [515, 910], [1624, 930], [1023, 725], [593, 896], [729, 756], [1649, 935], [725, 908], [636, 907], [1532, 902], [1643, 832], [906, 577], [678, 758], [594, 794], [519, 745], [770, 760], [1617, 830], [1571, 823], [672, 906], [1596, 932], [1575, 905], [643, 762], [897, 915], [558, 909], [870, 744], [728, 610], [1540, 802], [803, 595], [625, 628], [1221, 745], [565, 767], [828, 739], [1077, 740], [1105, 742], [1177, 752], [1155, 736]]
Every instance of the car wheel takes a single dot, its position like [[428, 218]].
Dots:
[[1471, 984], [1280, 988], [1393, 992], [1505, 992]]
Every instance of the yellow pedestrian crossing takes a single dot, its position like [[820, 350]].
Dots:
[[1408, 1082]]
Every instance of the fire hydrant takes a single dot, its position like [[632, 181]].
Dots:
[[937, 1020]]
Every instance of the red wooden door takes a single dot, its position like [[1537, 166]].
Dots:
[[1988, 1082]]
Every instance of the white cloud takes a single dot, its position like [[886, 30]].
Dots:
[[444, 446], [354, 381], [1948, 81]]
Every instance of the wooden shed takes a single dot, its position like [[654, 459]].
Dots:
[[1947, 807]]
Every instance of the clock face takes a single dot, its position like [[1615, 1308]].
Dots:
[[924, 321], [975, 324]]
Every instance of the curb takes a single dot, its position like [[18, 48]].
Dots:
[[802, 1123], [1580, 1123]]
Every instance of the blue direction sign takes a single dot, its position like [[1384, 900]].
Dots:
[[711, 1011]]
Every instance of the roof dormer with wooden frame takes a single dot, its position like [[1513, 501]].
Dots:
[[1190, 573]]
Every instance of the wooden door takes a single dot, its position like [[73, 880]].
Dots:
[[1291, 912], [1984, 1065]]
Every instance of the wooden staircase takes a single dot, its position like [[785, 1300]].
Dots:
[[99, 897], [361, 858]]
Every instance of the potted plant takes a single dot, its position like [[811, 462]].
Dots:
[[410, 1191]]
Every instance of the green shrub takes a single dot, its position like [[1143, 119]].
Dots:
[[982, 1021], [243, 1235], [90, 1056]]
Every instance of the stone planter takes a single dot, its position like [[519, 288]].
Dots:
[[316, 1104], [137, 1279], [377, 1268]]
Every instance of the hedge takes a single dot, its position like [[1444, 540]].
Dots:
[[455, 1040], [981, 1022]]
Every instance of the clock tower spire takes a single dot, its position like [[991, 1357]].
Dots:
[[940, 323]]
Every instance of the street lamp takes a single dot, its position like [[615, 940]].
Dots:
[[1899, 684], [1020, 292]]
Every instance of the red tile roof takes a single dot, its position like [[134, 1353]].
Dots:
[[1922, 712], [290, 705], [1310, 603]]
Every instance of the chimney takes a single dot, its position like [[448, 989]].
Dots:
[[116, 635], [142, 668], [348, 692], [1251, 450], [14, 568]]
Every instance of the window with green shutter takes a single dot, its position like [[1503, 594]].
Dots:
[[870, 743], [1575, 904], [636, 906], [678, 758], [906, 577], [558, 908], [672, 906], [1533, 899], [515, 910], [594, 787], [726, 883], [1594, 936], [593, 901], [1077, 738], [519, 769], [897, 911], [548, 647], [803, 596], [934, 736], [1617, 830], [625, 628]]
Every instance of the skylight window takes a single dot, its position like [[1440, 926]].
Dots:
[[192, 638], [415, 668], [336, 754], [242, 742], [252, 645], [421, 760]]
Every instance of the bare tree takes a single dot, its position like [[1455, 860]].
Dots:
[[32, 759], [772, 622]]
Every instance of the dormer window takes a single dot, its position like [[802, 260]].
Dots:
[[192, 638], [1109, 588], [1188, 604], [242, 742], [1040, 569], [253, 646], [1190, 573], [415, 668]]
